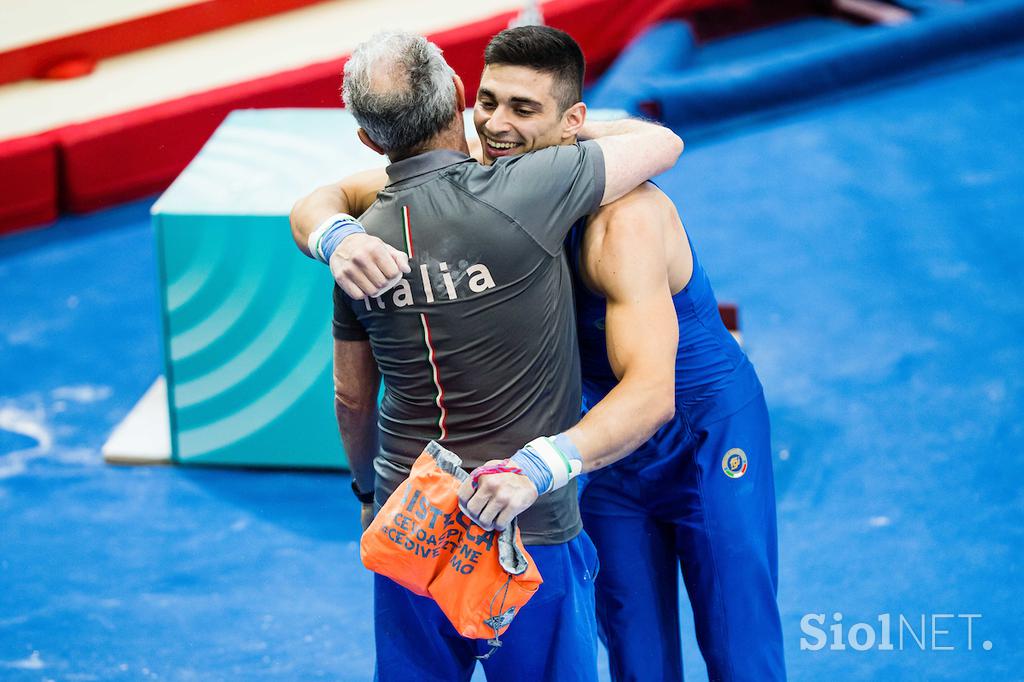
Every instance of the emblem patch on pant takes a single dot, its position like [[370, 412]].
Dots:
[[734, 464]]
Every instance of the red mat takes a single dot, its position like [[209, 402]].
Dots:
[[28, 192], [44, 59], [137, 153]]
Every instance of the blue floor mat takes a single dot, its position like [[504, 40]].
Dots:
[[785, 38], [874, 246]]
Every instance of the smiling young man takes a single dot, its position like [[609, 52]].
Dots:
[[653, 350], [511, 117]]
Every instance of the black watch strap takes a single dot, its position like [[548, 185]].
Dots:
[[365, 498]]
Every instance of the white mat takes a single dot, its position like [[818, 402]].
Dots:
[[144, 436]]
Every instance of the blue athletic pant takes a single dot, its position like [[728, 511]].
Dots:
[[553, 637], [671, 503]]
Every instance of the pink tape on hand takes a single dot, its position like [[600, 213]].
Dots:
[[502, 467]]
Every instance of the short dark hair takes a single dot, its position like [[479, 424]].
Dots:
[[545, 49]]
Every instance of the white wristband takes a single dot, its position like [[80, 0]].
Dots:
[[313, 242], [563, 469]]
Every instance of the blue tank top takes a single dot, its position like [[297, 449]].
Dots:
[[713, 376]]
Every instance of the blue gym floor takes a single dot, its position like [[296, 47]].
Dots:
[[874, 244]]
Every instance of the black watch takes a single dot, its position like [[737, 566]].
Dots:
[[365, 498]]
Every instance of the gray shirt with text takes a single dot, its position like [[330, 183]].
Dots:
[[477, 345]]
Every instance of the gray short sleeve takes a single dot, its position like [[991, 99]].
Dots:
[[545, 191], [347, 326]]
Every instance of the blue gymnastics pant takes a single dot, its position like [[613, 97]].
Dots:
[[672, 504]]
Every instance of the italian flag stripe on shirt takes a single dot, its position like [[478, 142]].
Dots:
[[425, 323]]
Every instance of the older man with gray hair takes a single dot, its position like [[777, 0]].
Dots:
[[476, 344]]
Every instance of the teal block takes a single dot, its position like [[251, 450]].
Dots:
[[246, 317]]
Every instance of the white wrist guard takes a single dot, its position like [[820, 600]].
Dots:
[[325, 238], [564, 466]]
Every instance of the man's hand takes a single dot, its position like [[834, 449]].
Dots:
[[366, 515], [497, 498], [364, 265]]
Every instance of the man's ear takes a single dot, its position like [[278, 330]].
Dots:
[[460, 93], [573, 119], [365, 139]]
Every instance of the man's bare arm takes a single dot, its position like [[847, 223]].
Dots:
[[356, 383], [626, 262], [634, 152], [362, 264], [352, 195]]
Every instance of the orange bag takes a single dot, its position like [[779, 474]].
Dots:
[[422, 541]]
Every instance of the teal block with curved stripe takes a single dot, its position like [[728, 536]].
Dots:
[[246, 316]]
